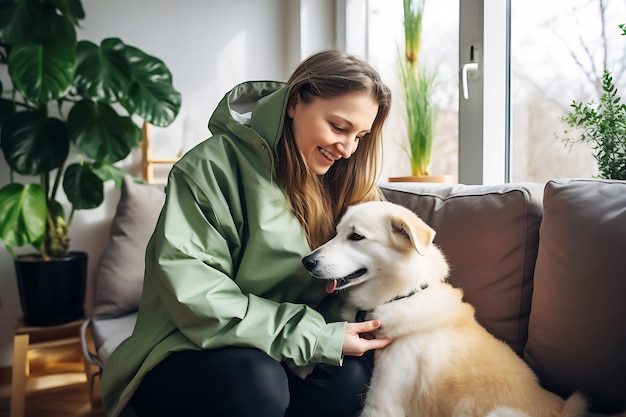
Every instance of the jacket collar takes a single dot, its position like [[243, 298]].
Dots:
[[266, 100], [268, 116]]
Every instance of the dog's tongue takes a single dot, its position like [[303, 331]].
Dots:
[[331, 285]]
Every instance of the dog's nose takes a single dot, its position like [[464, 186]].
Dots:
[[309, 262]]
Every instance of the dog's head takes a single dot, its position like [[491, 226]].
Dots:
[[381, 250]]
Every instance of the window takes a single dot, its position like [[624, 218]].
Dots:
[[558, 53], [534, 58]]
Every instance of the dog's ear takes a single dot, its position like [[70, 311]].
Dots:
[[415, 230]]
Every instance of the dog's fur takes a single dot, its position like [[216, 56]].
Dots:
[[442, 362]]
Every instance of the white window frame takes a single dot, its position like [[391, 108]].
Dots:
[[484, 151]]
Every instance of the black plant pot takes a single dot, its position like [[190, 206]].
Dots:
[[52, 292]]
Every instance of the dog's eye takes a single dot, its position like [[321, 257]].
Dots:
[[356, 236]]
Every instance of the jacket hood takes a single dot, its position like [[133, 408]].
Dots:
[[256, 105]]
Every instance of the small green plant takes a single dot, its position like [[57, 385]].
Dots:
[[417, 87], [420, 116], [603, 128], [66, 94]]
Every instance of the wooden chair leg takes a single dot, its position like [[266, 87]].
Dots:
[[21, 370]]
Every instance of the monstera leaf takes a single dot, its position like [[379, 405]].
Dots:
[[34, 144], [151, 95], [84, 189], [22, 214], [100, 133], [43, 56], [103, 71]]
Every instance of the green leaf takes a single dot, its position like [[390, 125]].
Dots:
[[413, 17], [22, 214], [42, 54], [43, 71], [103, 72], [84, 189], [33, 21], [151, 95], [34, 144], [100, 133], [420, 112], [108, 172]]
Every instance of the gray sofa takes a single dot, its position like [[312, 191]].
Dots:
[[544, 265]]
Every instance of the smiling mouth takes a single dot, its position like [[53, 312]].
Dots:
[[341, 283], [327, 154]]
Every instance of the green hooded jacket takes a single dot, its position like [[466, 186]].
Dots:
[[223, 267]]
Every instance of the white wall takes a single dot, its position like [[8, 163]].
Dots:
[[209, 46]]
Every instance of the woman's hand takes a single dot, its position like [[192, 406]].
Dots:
[[355, 345]]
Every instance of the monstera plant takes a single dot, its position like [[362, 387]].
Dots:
[[69, 111]]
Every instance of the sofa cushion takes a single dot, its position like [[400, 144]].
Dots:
[[576, 331], [489, 235], [120, 272], [109, 333]]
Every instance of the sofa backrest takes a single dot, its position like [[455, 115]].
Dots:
[[489, 235]]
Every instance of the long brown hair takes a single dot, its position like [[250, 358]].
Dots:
[[319, 201]]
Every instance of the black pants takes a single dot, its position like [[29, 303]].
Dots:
[[241, 382]]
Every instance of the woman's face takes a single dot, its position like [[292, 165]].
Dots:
[[326, 130]]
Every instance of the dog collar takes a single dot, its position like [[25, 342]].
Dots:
[[415, 291], [362, 314]]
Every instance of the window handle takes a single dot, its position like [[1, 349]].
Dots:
[[470, 66]]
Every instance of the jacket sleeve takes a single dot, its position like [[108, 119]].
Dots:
[[191, 261]]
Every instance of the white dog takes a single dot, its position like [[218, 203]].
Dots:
[[442, 363]]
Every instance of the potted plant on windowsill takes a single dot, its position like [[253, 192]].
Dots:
[[65, 94], [603, 127], [417, 87]]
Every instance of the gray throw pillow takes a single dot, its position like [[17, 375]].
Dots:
[[120, 273]]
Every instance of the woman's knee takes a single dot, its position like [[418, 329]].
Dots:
[[261, 386]]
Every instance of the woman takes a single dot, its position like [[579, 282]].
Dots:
[[226, 300]]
